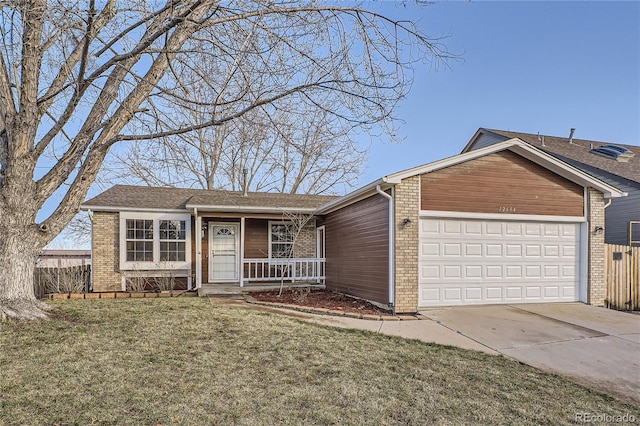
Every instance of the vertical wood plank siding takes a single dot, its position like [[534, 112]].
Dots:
[[357, 250], [256, 238], [501, 182]]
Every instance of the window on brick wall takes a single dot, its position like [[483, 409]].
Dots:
[[155, 241], [281, 239]]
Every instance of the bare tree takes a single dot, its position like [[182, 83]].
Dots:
[[308, 151], [78, 77]]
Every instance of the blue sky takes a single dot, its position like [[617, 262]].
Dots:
[[527, 66]]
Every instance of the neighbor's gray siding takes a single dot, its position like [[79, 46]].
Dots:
[[486, 139], [621, 210]]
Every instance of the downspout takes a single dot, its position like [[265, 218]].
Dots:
[[90, 213], [197, 234], [391, 249]]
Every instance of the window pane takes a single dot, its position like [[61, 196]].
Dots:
[[172, 230], [139, 249], [281, 232], [171, 251], [281, 250]]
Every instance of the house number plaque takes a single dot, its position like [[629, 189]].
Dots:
[[506, 209]]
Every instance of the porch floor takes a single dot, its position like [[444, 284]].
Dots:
[[208, 289]]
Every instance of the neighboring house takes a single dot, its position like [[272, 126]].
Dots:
[[507, 223], [614, 166], [52, 258]]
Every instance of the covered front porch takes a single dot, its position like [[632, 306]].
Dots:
[[235, 252]]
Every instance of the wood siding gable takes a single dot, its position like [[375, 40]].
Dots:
[[503, 182]]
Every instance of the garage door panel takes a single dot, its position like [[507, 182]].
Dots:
[[452, 227], [551, 292], [453, 294], [429, 271], [452, 249], [533, 250], [473, 228], [473, 271], [493, 250], [513, 228], [512, 293], [533, 292], [473, 250], [484, 261], [494, 294], [429, 249], [473, 293], [493, 228], [514, 271], [451, 271]]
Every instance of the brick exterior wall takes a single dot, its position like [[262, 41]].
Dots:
[[407, 206], [106, 252], [305, 244], [596, 290]]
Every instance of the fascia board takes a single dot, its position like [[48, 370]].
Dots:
[[249, 209], [87, 207], [453, 160]]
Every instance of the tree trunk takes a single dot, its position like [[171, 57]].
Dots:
[[18, 253]]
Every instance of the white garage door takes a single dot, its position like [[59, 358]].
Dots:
[[485, 261]]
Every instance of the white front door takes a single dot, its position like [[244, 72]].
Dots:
[[223, 252]]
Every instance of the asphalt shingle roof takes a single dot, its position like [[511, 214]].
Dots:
[[578, 151], [145, 197]]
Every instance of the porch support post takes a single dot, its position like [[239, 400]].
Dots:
[[198, 237], [241, 252]]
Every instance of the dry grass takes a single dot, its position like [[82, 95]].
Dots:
[[184, 361]]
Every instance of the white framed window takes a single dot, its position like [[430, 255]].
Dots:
[[173, 240], [154, 241], [139, 240], [281, 236]]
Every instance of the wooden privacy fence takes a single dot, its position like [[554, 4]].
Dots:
[[70, 279], [622, 271]]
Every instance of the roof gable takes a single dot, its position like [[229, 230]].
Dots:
[[576, 153], [515, 145]]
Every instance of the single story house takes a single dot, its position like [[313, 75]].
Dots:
[[506, 223], [616, 164]]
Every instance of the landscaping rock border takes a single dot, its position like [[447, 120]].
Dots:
[[120, 295], [335, 313]]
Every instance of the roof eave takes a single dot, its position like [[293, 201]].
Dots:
[[361, 193], [97, 208], [250, 209]]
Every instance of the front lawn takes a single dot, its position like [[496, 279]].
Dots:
[[185, 361]]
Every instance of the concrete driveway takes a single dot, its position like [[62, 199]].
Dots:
[[597, 347]]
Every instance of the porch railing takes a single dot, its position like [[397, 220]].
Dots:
[[291, 270]]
